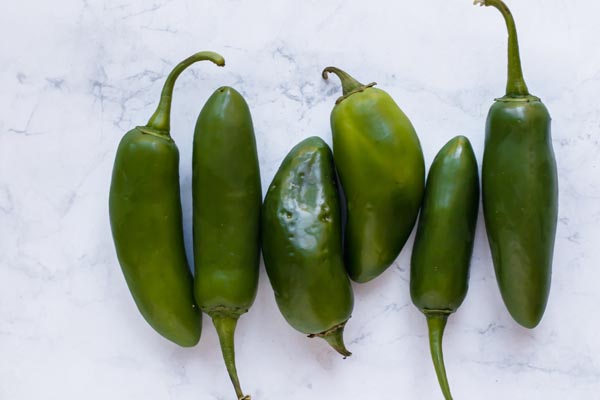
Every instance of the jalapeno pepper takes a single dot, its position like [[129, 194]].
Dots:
[[145, 217], [439, 276], [380, 163], [302, 244], [227, 201], [520, 190]]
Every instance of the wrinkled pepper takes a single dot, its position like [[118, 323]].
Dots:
[[439, 275], [520, 190], [227, 200], [302, 244], [382, 172], [145, 217]]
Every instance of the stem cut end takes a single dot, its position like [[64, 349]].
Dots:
[[436, 322]]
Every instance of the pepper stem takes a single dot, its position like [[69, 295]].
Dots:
[[436, 324], [349, 84], [225, 326], [335, 338], [161, 119], [516, 85]]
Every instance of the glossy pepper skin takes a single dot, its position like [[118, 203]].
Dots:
[[381, 168], [145, 217], [302, 244], [439, 276], [520, 190], [227, 200]]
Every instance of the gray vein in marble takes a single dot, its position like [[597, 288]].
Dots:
[[155, 6], [492, 328], [57, 83], [6, 200], [577, 371], [166, 29]]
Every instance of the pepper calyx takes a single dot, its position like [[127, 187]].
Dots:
[[518, 99], [155, 132], [224, 311], [358, 90]]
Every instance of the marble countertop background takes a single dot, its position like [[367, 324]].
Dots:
[[76, 74]]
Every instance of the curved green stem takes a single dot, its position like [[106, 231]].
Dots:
[[436, 324], [225, 326], [335, 338], [161, 119], [349, 84], [516, 85]]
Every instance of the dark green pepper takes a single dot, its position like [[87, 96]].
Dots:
[[380, 163], [227, 199], [302, 244], [145, 217], [439, 275], [520, 190]]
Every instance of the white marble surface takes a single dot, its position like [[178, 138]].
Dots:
[[76, 74]]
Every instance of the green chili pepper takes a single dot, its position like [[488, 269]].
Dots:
[[302, 244], [439, 276], [380, 163], [227, 201], [520, 190], [145, 217]]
